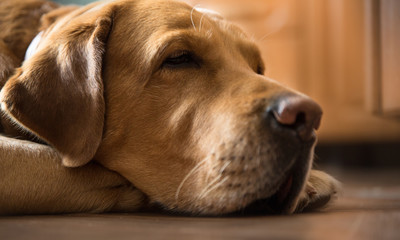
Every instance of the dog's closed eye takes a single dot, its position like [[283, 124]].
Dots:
[[260, 70], [181, 59]]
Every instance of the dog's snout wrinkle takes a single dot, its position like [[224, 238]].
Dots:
[[299, 113]]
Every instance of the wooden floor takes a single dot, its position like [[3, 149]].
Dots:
[[369, 208]]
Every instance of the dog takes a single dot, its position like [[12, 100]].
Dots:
[[123, 105]]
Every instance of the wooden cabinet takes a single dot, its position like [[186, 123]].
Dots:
[[390, 56], [343, 53]]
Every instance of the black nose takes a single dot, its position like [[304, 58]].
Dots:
[[296, 112]]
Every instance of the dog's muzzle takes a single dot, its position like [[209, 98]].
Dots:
[[292, 119]]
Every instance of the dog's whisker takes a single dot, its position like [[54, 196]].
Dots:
[[201, 21], [205, 193], [265, 36], [194, 169], [253, 37], [214, 180], [209, 185], [213, 165], [191, 16], [224, 167]]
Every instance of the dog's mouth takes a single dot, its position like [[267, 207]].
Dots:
[[284, 200], [283, 190], [281, 202]]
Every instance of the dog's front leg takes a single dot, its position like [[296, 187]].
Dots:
[[33, 181], [320, 189]]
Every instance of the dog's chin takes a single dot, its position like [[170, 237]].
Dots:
[[284, 199]]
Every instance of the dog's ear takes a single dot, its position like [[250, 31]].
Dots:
[[57, 94]]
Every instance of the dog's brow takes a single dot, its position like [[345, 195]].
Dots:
[[250, 51], [179, 40], [248, 47]]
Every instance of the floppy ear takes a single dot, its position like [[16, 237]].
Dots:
[[57, 94]]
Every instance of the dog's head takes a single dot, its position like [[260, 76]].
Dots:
[[172, 98]]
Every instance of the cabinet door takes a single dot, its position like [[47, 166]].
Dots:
[[390, 56], [383, 56]]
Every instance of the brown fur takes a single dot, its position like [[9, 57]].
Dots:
[[97, 88]]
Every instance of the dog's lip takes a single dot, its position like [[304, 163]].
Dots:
[[282, 200], [284, 189]]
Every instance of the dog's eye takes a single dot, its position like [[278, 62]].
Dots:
[[180, 59]]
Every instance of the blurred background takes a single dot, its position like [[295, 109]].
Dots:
[[343, 53]]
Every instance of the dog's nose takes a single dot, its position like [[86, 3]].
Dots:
[[299, 113]]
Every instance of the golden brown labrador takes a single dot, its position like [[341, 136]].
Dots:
[[170, 97]]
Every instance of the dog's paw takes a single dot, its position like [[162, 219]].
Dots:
[[320, 189]]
